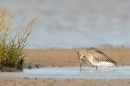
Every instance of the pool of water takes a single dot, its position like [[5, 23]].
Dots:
[[73, 72]]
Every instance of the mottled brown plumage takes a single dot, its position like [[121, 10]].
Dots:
[[94, 57]]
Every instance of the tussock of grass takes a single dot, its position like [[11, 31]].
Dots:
[[11, 48]]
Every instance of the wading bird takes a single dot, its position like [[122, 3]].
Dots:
[[94, 57]]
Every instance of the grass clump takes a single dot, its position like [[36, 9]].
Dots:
[[11, 48]]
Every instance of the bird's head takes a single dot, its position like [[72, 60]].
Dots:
[[79, 53]]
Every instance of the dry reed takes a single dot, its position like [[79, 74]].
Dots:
[[11, 48]]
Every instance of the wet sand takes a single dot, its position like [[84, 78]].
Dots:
[[7, 81], [64, 58], [68, 57]]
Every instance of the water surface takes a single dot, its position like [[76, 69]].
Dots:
[[73, 72]]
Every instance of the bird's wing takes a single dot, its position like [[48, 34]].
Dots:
[[100, 56]]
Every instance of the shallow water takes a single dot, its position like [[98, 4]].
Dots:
[[74, 23], [73, 72]]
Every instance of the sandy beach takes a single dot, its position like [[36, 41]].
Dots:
[[66, 58], [7, 81], [69, 57]]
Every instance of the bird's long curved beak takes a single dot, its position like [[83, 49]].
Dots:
[[80, 63]]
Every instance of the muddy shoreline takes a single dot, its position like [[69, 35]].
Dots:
[[66, 58]]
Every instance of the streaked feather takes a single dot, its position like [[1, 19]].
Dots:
[[96, 57]]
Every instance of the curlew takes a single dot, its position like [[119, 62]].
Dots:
[[94, 57]]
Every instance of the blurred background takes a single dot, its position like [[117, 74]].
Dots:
[[74, 23]]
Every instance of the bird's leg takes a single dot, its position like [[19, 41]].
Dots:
[[96, 68]]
